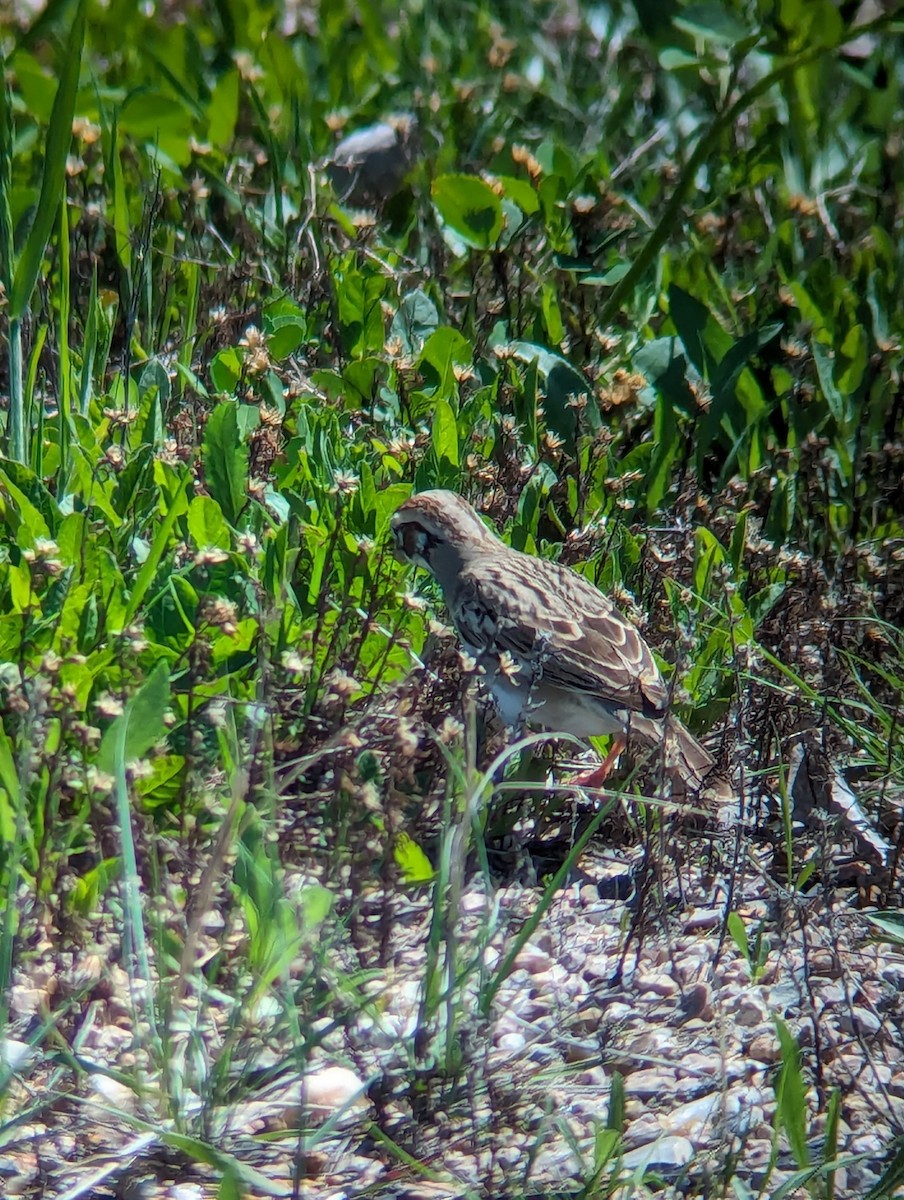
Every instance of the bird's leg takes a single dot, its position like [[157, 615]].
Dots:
[[598, 775]]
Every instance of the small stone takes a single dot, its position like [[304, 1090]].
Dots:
[[332, 1090], [659, 985], [581, 1051], [586, 1021], [824, 962], [750, 1011], [618, 1011], [473, 902], [14, 1054], [555, 1162], [649, 1082], [511, 1043], [665, 1152], [370, 165], [702, 918], [652, 1043], [867, 1143], [693, 1119], [596, 1078], [532, 959], [644, 1130], [597, 966], [701, 1066], [861, 1021], [110, 1092], [696, 1003], [765, 1048]]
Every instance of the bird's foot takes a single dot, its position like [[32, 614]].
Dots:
[[598, 775]]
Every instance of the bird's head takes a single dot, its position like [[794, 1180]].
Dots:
[[438, 530]]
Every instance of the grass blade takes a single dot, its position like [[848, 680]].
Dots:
[[59, 139]]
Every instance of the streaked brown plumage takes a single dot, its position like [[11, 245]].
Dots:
[[557, 653]]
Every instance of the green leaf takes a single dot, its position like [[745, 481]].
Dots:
[[665, 447], [738, 932], [791, 1096], [412, 861], [444, 435], [85, 895], [443, 350], [223, 110], [615, 1119], [414, 322], [564, 387], [711, 22], [161, 786], [662, 362], [56, 151], [314, 902], [10, 792], [470, 208], [207, 525], [225, 461], [7, 133], [226, 369], [286, 327], [890, 923], [705, 341], [140, 725], [521, 193], [149, 567], [33, 509]]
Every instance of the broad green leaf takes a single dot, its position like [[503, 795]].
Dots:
[[140, 725], [286, 327], [88, 889], [521, 192], [225, 461], [470, 208], [207, 525], [223, 110], [444, 434], [226, 370], [704, 340], [443, 350], [314, 903], [738, 931], [566, 391], [412, 861], [414, 322], [552, 314], [25, 504], [161, 786]]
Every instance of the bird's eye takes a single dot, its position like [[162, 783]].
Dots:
[[410, 542], [401, 540]]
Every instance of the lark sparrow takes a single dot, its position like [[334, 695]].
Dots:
[[555, 651]]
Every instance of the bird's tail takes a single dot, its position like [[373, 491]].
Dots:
[[687, 762]]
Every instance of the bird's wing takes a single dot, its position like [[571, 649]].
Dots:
[[576, 638]]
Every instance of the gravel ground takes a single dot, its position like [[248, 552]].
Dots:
[[640, 1011]]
